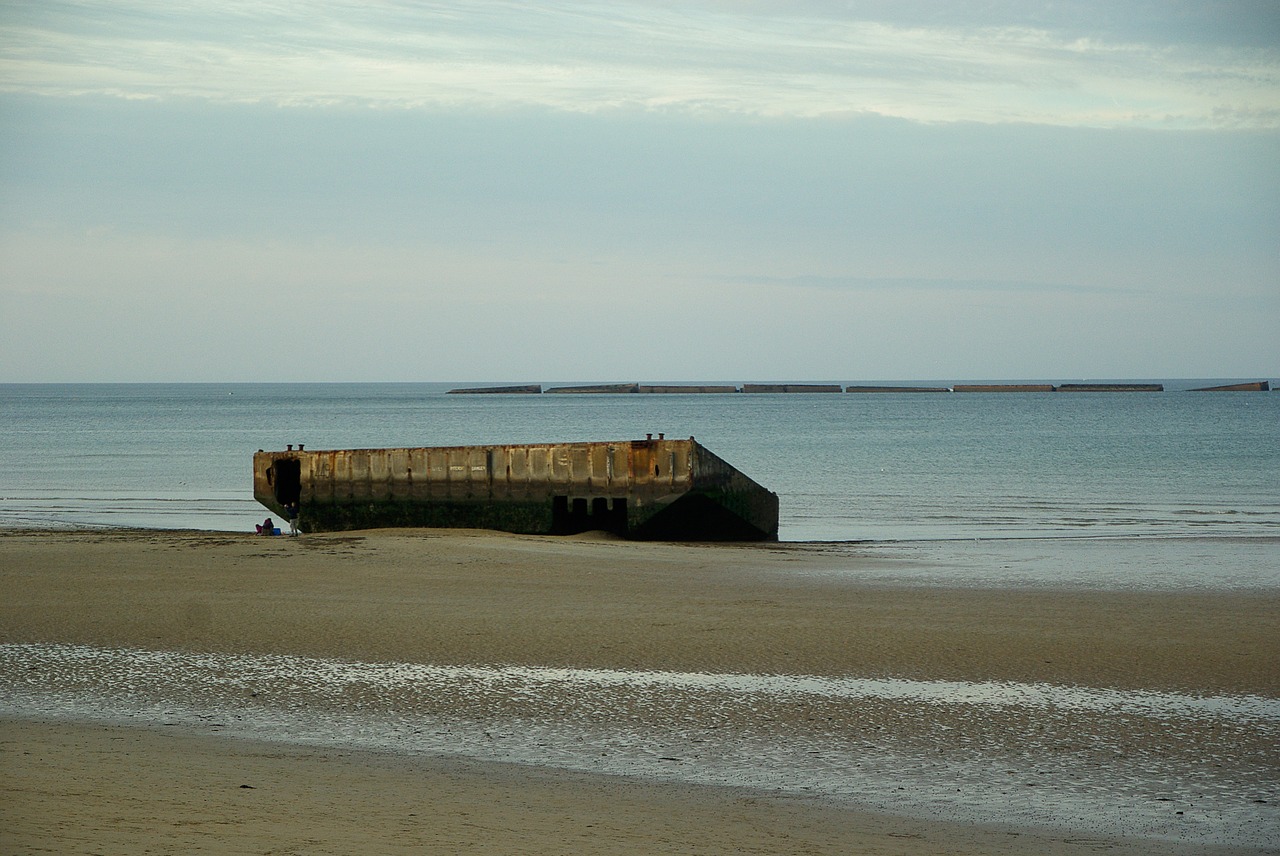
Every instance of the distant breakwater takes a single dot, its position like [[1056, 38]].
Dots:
[[793, 388]]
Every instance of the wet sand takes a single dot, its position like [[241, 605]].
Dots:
[[461, 598], [114, 790]]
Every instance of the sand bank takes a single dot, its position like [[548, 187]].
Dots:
[[472, 599], [446, 597]]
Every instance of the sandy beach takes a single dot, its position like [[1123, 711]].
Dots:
[[77, 783]]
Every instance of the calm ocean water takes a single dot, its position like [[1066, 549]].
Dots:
[[1169, 490], [895, 469]]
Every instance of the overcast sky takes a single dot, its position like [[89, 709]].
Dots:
[[492, 191]]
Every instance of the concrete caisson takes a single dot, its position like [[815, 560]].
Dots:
[[648, 489]]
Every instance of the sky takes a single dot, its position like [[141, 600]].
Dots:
[[593, 191]]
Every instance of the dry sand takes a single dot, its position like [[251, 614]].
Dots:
[[482, 598]]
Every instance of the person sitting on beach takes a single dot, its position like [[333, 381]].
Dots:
[[267, 527]]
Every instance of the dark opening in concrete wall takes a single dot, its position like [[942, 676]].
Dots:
[[288, 481], [569, 517]]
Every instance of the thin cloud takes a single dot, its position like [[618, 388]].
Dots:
[[909, 284], [746, 59]]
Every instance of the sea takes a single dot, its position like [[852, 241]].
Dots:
[[1122, 489], [1164, 491]]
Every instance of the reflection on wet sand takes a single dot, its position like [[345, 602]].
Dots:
[[1110, 761]]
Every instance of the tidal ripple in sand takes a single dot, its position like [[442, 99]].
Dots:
[[1154, 764]]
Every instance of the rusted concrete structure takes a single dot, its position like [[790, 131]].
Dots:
[[597, 389], [790, 387], [524, 389], [1251, 386], [1003, 387], [897, 389], [669, 490], [1110, 387]]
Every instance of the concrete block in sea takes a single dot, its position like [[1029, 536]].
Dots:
[[651, 489]]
